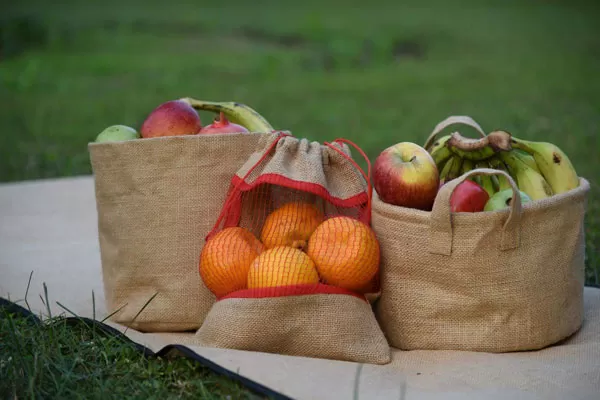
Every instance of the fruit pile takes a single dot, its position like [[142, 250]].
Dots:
[[297, 245], [180, 117], [409, 175]]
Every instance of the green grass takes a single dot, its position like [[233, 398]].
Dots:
[[374, 74], [59, 359]]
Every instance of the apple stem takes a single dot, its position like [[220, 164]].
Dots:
[[223, 118]]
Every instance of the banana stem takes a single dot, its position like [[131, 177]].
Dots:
[[497, 140], [501, 140], [467, 144], [521, 145]]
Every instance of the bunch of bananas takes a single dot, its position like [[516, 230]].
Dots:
[[540, 169]]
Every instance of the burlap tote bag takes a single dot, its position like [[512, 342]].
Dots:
[[292, 255], [498, 281], [156, 200]]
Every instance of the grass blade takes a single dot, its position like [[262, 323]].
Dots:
[[143, 308], [47, 301], [114, 312], [72, 313], [27, 291]]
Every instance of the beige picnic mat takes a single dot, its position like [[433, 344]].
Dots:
[[49, 227]]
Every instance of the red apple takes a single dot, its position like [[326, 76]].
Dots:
[[406, 175], [173, 118], [468, 196], [222, 125]]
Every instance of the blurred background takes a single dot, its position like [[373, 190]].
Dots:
[[375, 73]]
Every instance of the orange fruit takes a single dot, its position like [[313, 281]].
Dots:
[[282, 266], [291, 225], [226, 258], [346, 253]]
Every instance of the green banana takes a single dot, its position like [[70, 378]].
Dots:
[[487, 185], [236, 112], [527, 179], [496, 183], [441, 142], [502, 182], [467, 165], [442, 164], [482, 164], [456, 168], [451, 169], [552, 162], [444, 170], [485, 181], [440, 153]]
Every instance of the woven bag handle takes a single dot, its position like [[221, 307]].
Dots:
[[454, 119], [441, 234]]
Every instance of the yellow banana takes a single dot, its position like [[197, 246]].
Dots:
[[528, 180], [526, 158], [236, 112], [552, 162]]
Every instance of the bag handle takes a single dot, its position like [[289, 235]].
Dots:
[[454, 119], [366, 176], [441, 234]]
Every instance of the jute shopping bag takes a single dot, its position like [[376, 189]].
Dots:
[[292, 257], [156, 199], [498, 281]]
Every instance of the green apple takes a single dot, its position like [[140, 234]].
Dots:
[[117, 133], [503, 199]]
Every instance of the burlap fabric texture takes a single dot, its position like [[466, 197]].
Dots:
[[312, 320], [331, 325], [156, 199], [499, 281]]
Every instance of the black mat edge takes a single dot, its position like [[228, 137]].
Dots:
[[14, 308]]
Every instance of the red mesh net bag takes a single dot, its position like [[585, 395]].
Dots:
[[292, 259]]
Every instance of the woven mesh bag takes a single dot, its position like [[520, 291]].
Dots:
[[292, 257]]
